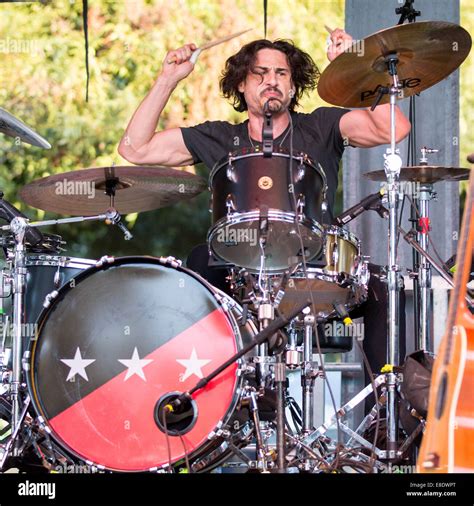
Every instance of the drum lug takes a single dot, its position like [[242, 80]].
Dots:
[[25, 361], [49, 298], [105, 260], [172, 261], [230, 204], [230, 172], [300, 172], [300, 204]]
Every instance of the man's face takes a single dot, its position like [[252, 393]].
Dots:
[[269, 80]]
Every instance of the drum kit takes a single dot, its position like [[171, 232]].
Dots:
[[139, 364]]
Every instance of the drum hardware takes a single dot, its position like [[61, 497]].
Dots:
[[370, 72], [410, 237]]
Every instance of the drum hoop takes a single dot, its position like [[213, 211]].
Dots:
[[273, 215], [99, 266], [345, 234], [255, 152], [321, 274], [58, 261]]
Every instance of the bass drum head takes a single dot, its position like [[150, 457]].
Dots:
[[114, 344]]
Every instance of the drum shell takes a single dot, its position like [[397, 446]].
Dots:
[[253, 181], [44, 274], [338, 281]]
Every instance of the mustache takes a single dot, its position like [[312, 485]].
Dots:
[[275, 90]]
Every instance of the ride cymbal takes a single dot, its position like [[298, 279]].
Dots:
[[88, 192], [428, 51]]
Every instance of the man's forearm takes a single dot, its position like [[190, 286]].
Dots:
[[143, 123]]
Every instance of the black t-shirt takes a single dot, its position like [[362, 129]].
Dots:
[[316, 134]]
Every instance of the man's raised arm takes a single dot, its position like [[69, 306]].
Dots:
[[141, 144]]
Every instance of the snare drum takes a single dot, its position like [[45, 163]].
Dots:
[[248, 189], [343, 280], [129, 333]]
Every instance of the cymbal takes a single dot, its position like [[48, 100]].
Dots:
[[428, 51], [137, 189], [424, 174], [13, 127]]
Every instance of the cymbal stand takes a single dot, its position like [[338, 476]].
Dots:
[[392, 166], [424, 338], [308, 372], [18, 227]]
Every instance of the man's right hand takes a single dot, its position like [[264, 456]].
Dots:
[[180, 67]]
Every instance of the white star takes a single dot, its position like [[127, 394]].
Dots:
[[193, 365], [78, 365], [135, 365]]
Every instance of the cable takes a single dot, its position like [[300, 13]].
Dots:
[[167, 436], [186, 459]]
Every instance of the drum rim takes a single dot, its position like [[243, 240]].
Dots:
[[289, 217], [117, 261], [343, 233], [60, 260], [256, 152]]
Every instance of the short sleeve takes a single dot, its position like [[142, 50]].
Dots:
[[207, 142], [326, 121]]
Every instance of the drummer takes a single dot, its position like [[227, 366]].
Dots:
[[277, 74], [262, 71]]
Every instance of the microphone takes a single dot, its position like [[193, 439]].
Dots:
[[113, 216], [365, 204], [470, 158], [8, 212], [267, 130], [263, 225]]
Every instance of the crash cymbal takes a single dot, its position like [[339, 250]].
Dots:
[[428, 51], [137, 189], [424, 174], [13, 127]]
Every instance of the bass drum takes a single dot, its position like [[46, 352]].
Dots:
[[112, 349]]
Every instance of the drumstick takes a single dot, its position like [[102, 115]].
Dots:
[[213, 43], [328, 29]]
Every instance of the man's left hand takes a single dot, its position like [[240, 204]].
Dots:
[[339, 41]]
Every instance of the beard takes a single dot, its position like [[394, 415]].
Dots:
[[274, 105]]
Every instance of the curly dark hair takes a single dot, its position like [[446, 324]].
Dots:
[[304, 72]]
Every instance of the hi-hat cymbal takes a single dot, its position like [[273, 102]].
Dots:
[[13, 127], [424, 174], [428, 51], [137, 189]]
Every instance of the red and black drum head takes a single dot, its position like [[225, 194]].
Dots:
[[116, 340]]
